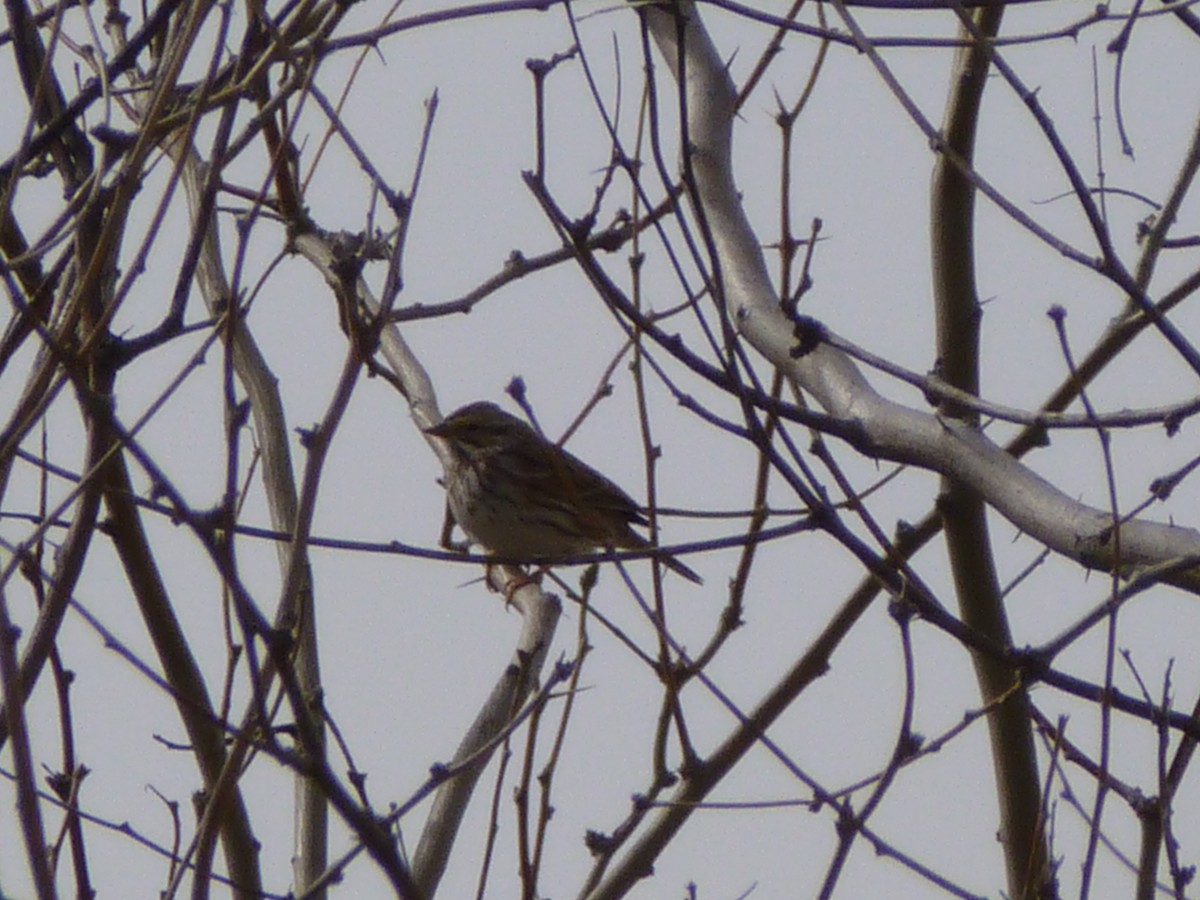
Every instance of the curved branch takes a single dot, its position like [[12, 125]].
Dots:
[[884, 428]]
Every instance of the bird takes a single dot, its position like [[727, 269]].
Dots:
[[526, 499]]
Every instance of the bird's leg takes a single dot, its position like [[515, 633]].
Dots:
[[519, 580], [445, 540]]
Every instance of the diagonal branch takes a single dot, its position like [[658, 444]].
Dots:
[[885, 429]]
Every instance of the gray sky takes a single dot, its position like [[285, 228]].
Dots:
[[410, 647]]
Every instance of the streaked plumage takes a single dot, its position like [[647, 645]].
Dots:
[[524, 498]]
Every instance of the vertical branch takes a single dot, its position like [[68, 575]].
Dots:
[[977, 585], [29, 815]]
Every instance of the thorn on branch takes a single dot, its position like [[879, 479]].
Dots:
[[564, 667], [622, 160], [1172, 423], [785, 119], [113, 352], [307, 436], [731, 619]]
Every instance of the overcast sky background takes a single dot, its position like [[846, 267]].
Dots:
[[410, 648]]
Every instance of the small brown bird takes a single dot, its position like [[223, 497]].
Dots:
[[524, 498]]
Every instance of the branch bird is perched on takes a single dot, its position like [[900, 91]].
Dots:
[[524, 498]]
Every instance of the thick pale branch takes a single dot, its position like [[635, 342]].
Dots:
[[539, 620], [888, 429], [540, 611]]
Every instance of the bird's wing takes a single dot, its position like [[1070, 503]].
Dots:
[[592, 490]]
